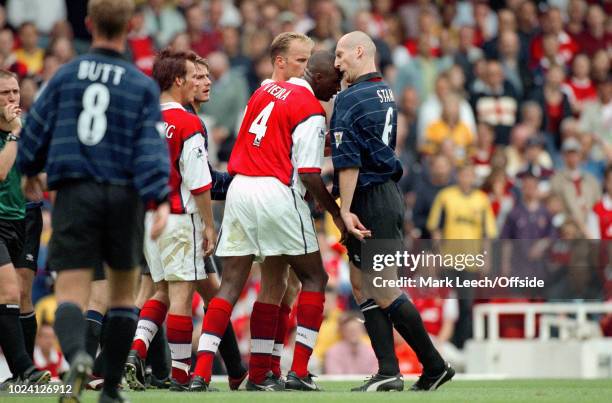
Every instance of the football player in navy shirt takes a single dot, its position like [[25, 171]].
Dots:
[[95, 131], [363, 134]]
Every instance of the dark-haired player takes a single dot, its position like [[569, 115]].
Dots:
[[154, 309], [207, 288], [176, 258]]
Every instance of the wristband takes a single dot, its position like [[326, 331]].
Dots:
[[11, 137]]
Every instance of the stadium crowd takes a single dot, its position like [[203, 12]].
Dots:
[[511, 97]]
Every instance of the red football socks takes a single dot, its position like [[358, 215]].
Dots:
[[279, 340], [152, 316], [215, 321], [263, 329], [180, 329], [309, 318]]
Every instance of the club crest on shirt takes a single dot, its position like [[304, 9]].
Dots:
[[338, 137]]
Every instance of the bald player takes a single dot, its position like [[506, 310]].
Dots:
[[289, 53], [366, 171], [277, 157]]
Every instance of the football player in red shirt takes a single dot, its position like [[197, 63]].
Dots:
[[280, 141], [280, 286], [176, 257], [208, 287]]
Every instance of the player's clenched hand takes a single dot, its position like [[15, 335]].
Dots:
[[160, 219], [210, 240], [355, 227], [11, 114]]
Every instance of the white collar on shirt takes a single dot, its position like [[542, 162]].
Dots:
[[292, 80], [171, 105], [302, 82]]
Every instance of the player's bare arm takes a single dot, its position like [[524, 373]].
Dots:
[[204, 203], [314, 184]]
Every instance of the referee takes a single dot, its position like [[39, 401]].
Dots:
[[12, 239], [363, 134], [95, 131]]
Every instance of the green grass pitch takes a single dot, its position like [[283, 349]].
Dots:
[[519, 391]]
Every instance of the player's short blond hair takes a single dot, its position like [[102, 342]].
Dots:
[[110, 17], [280, 45], [7, 74]]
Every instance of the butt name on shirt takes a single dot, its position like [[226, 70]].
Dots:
[[104, 72]]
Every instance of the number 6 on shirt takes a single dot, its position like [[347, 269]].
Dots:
[[388, 126]]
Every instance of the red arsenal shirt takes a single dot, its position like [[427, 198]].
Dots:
[[282, 133], [189, 172]]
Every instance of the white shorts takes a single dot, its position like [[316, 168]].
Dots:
[[176, 255], [264, 217]]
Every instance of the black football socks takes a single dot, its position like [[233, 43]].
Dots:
[[407, 321], [158, 355], [94, 329], [70, 329], [29, 328], [122, 323], [228, 349], [380, 330], [11, 340]]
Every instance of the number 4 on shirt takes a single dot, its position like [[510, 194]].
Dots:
[[258, 127]]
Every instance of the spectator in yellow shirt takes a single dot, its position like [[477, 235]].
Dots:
[[462, 211], [29, 53], [449, 132]]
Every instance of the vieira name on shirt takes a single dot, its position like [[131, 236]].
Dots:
[[277, 91]]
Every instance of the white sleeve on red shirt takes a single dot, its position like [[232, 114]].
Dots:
[[194, 165], [308, 144]]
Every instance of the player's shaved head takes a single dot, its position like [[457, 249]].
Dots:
[[322, 76], [355, 39], [355, 55]]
